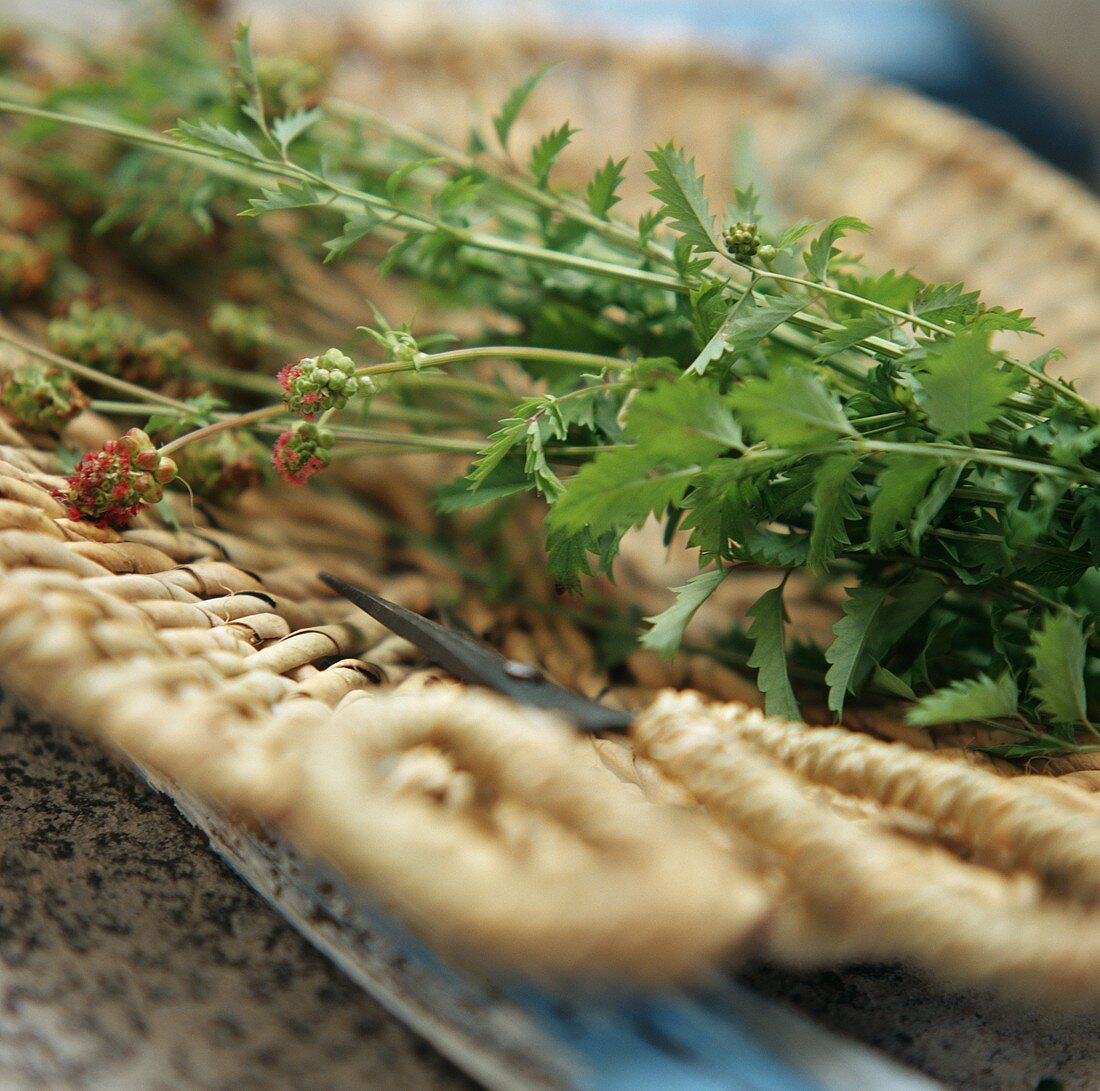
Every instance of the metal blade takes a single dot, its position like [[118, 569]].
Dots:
[[472, 661]]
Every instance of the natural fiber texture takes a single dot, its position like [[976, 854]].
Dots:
[[422, 793], [864, 889], [215, 655]]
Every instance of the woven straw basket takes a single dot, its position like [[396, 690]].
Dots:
[[214, 655]]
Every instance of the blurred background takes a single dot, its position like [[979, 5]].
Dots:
[[1027, 67]]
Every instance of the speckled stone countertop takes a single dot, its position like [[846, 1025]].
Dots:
[[131, 957]]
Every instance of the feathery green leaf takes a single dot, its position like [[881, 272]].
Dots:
[[667, 628], [835, 487], [516, 100], [680, 191], [962, 385], [1057, 651], [601, 193], [790, 408], [769, 654], [966, 700], [853, 634], [545, 153]]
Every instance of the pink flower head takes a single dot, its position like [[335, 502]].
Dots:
[[317, 383], [110, 486], [302, 452], [288, 374]]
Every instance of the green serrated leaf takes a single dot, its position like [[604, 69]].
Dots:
[[546, 482], [619, 488], [246, 74], [967, 700], [902, 484], [853, 635], [852, 332], [889, 682], [909, 602], [510, 433], [995, 319], [449, 201], [962, 386], [219, 136], [683, 201], [716, 508], [354, 229], [793, 235], [835, 487], [1086, 523], [567, 557], [667, 628], [289, 127], [648, 222], [283, 197], [823, 249], [929, 508], [401, 175], [769, 654], [686, 421], [545, 153], [746, 324], [601, 193], [1057, 650], [945, 303], [790, 408], [515, 102]]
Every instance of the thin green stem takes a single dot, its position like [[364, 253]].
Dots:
[[112, 408], [470, 387], [221, 375], [240, 420], [586, 360], [960, 453], [839, 293]]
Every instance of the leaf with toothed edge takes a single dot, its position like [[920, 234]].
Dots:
[[769, 654], [667, 628], [966, 700], [516, 100], [680, 191]]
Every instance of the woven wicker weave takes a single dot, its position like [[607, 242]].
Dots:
[[216, 656]]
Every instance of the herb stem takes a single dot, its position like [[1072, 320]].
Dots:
[[587, 360], [240, 420], [959, 453]]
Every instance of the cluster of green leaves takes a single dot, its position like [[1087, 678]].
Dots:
[[798, 414]]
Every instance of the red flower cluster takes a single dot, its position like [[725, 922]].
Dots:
[[302, 452], [110, 486], [317, 383], [304, 403]]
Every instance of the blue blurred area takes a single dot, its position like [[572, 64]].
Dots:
[[922, 43]]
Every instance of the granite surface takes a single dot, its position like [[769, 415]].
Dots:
[[131, 957]]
